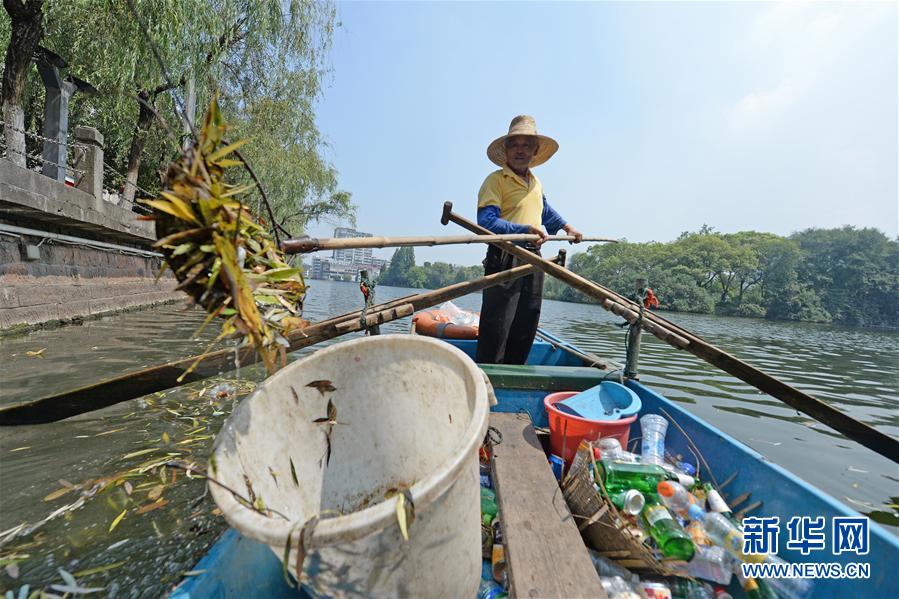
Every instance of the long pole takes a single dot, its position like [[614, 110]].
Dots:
[[165, 376], [682, 339], [304, 245]]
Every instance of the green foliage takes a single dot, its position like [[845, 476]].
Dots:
[[266, 58], [402, 272], [846, 275]]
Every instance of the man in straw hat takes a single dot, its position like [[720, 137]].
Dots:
[[511, 200]]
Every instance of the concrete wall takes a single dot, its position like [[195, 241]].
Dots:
[[45, 280]]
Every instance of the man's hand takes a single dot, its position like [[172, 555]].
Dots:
[[574, 233], [537, 231]]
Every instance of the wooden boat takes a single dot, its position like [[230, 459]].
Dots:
[[544, 551]]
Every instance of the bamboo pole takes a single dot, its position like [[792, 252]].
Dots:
[[680, 338], [165, 376], [304, 245]]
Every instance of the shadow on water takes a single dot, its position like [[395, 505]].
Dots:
[[45, 468]]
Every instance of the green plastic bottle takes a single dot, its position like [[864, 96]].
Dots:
[[624, 476], [673, 541], [488, 502]]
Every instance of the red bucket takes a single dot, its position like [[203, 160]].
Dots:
[[566, 431]]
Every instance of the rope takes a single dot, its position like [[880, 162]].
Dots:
[[367, 287], [73, 144], [43, 160]]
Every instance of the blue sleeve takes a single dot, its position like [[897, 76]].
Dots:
[[488, 217], [551, 219]]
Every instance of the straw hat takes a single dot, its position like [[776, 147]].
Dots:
[[522, 125]]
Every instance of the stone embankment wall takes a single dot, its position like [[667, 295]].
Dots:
[[68, 283], [67, 254]]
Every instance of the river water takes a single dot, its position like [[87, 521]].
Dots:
[[91, 497]]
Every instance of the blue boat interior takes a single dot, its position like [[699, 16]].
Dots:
[[238, 567]]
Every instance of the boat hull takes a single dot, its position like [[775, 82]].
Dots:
[[237, 567]]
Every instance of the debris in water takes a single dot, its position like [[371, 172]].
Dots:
[[117, 520], [37, 353]]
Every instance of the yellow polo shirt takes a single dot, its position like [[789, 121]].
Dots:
[[517, 202]]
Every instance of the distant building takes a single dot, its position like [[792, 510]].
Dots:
[[344, 265], [321, 268], [351, 256]]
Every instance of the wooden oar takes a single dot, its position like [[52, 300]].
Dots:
[[304, 245], [165, 376], [680, 338]]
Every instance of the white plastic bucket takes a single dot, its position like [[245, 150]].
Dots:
[[412, 413]]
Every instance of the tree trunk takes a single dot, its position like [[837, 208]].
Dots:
[[26, 30], [144, 120]]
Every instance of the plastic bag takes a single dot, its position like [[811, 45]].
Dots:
[[457, 315]]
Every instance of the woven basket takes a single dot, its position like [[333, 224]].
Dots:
[[603, 527]]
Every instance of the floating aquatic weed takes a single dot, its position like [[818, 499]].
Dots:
[[222, 256]]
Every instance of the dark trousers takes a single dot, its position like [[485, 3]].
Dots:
[[510, 313]]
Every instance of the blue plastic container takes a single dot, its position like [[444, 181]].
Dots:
[[607, 401]]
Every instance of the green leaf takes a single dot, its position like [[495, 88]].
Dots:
[[117, 520], [222, 152]]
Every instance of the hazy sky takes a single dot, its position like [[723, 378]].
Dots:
[[752, 115]]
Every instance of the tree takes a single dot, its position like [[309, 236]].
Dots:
[[265, 58], [399, 269], [854, 271], [25, 32]]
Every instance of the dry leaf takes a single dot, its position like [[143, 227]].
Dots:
[[155, 492], [152, 506], [57, 494], [322, 386], [293, 473], [405, 512]]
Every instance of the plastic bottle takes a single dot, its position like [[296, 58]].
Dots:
[[620, 476], [697, 534], [486, 570], [725, 533], [607, 568], [685, 479], [713, 563], [679, 500], [751, 588], [488, 589], [717, 504], [652, 445], [498, 555], [656, 590], [668, 534], [498, 561], [618, 588], [721, 593], [699, 590], [488, 502], [610, 450], [788, 588]]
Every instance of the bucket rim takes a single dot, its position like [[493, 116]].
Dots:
[[551, 399], [350, 527]]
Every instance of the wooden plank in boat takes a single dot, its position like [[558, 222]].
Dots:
[[545, 554], [542, 378]]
